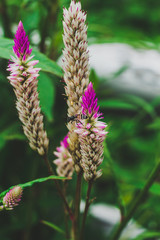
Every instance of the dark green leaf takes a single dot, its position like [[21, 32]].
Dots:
[[147, 235], [94, 78], [156, 101], [116, 104], [46, 64], [140, 102], [155, 124], [14, 2], [10, 133], [46, 94], [138, 183]]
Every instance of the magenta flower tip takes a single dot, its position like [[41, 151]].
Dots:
[[21, 43], [20, 24], [64, 142], [89, 102]]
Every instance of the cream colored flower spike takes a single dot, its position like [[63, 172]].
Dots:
[[76, 69], [23, 77]]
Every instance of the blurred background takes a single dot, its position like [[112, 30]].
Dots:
[[123, 38]]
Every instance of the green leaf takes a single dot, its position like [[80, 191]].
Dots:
[[46, 94], [116, 104], [94, 78], [155, 124], [53, 226], [14, 2], [138, 183], [155, 189], [147, 235], [10, 133], [6, 48], [29, 184], [46, 64], [156, 101], [140, 102], [32, 9]]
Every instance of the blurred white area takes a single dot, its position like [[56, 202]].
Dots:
[[106, 213], [107, 216], [139, 69], [109, 58], [35, 37]]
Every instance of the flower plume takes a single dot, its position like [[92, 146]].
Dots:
[[91, 134], [64, 160], [89, 103], [76, 69], [23, 77], [21, 43]]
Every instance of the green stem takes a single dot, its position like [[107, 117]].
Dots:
[[77, 205], [51, 172], [116, 180], [136, 202], [65, 212], [86, 209]]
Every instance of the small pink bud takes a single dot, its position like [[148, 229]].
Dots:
[[12, 198]]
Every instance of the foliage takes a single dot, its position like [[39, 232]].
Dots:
[[133, 121]]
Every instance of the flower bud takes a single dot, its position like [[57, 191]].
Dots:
[[12, 198]]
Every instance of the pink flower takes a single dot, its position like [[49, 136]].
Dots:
[[23, 77], [89, 103], [64, 160], [91, 135], [12, 198], [21, 47]]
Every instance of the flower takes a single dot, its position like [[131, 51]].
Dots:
[[12, 198], [23, 78], [64, 160], [91, 133], [21, 47], [76, 69]]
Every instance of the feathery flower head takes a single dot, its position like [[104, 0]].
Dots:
[[75, 56], [23, 77], [12, 198], [64, 160], [91, 135], [76, 69], [64, 142], [21, 43], [89, 103]]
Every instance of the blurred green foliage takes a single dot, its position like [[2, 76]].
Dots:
[[133, 122]]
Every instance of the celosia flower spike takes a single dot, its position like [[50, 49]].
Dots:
[[76, 69], [91, 134], [64, 160], [12, 198], [23, 77], [21, 43], [89, 103]]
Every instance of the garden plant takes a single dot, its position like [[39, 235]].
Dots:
[[72, 168]]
